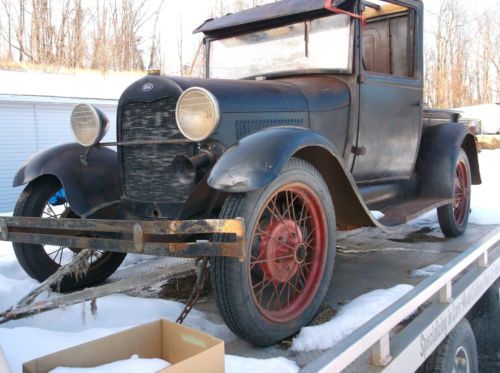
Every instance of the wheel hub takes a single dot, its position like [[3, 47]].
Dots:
[[461, 361], [282, 250]]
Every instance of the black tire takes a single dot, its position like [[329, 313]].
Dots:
[[458, 349], [451, 225], [485, 314], [35, 260], [232, 280]]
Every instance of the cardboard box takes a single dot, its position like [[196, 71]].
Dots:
[[188, 350], [4, 367]]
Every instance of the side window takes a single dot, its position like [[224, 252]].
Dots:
[[388, 39]]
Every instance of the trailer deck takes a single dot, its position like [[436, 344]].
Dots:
[[360, 257]]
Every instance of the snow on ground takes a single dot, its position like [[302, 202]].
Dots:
[[14, 282], [24, 344], [349, 318], [426, 271], [485, 202]]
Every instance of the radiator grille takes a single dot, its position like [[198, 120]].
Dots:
[[147, 169]]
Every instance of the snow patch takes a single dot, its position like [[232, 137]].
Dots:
[[485, 203], [426, 271], [112, 313], [349, 318], [377, 214], [12, 290], [134, 364], [237, 364], [24, 344]]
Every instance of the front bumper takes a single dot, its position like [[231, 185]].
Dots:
[[223, 237]]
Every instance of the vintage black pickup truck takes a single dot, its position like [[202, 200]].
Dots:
[[311, 117]]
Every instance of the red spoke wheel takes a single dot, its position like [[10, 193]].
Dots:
[[288, 256], [462, 188], [453, 218], [290, 236]]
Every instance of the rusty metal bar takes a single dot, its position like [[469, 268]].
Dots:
[[159, 238]]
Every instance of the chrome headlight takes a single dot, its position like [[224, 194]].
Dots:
[[89, 124], [197, 114]]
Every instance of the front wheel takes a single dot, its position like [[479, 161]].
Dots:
[[453, 218], [44, 198], [290, 238]]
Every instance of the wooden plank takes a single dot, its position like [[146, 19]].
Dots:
[[384, 10]]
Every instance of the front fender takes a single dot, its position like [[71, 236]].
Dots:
[[87, 187], [257, 160]]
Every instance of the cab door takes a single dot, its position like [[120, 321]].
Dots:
[[390, 97]]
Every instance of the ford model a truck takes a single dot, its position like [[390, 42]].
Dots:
[[311, 117]]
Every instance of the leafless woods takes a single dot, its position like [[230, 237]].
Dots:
[[102, 35], [462, 62]]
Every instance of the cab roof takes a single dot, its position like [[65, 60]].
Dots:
[[267, 15]]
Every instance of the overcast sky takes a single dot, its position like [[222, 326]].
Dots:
[[192, 13]]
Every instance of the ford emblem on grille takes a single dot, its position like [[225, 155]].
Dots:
[[147, 87]]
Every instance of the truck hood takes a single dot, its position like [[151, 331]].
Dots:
[[295, 94]]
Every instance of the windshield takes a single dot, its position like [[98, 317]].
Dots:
[[323, 43]]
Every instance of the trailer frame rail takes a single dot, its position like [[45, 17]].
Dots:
[[452, 292]]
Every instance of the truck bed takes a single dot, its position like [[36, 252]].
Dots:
[[435, 116]]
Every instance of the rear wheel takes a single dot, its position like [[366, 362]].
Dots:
[[290, 236], [45, 198], [453, 218], [456, 354]]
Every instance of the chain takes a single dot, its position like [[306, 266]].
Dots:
[[196, 292]]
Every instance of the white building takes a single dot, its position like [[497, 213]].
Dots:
[[489, 115]]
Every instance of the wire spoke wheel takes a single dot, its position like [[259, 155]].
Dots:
[[57, 207], [45, 198], [461, 197], [288, 252], [290, 233], [454, 217]]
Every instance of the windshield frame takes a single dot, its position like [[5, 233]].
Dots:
[[348, 71]]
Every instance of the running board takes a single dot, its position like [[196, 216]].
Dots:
[[409, 210]]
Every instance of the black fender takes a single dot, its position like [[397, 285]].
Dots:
[[437, 158], [255, 161], [87, 187]]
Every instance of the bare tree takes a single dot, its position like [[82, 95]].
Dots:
[[460, 66]]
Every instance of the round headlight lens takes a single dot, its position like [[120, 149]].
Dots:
[[197, 114], [89, 124]]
